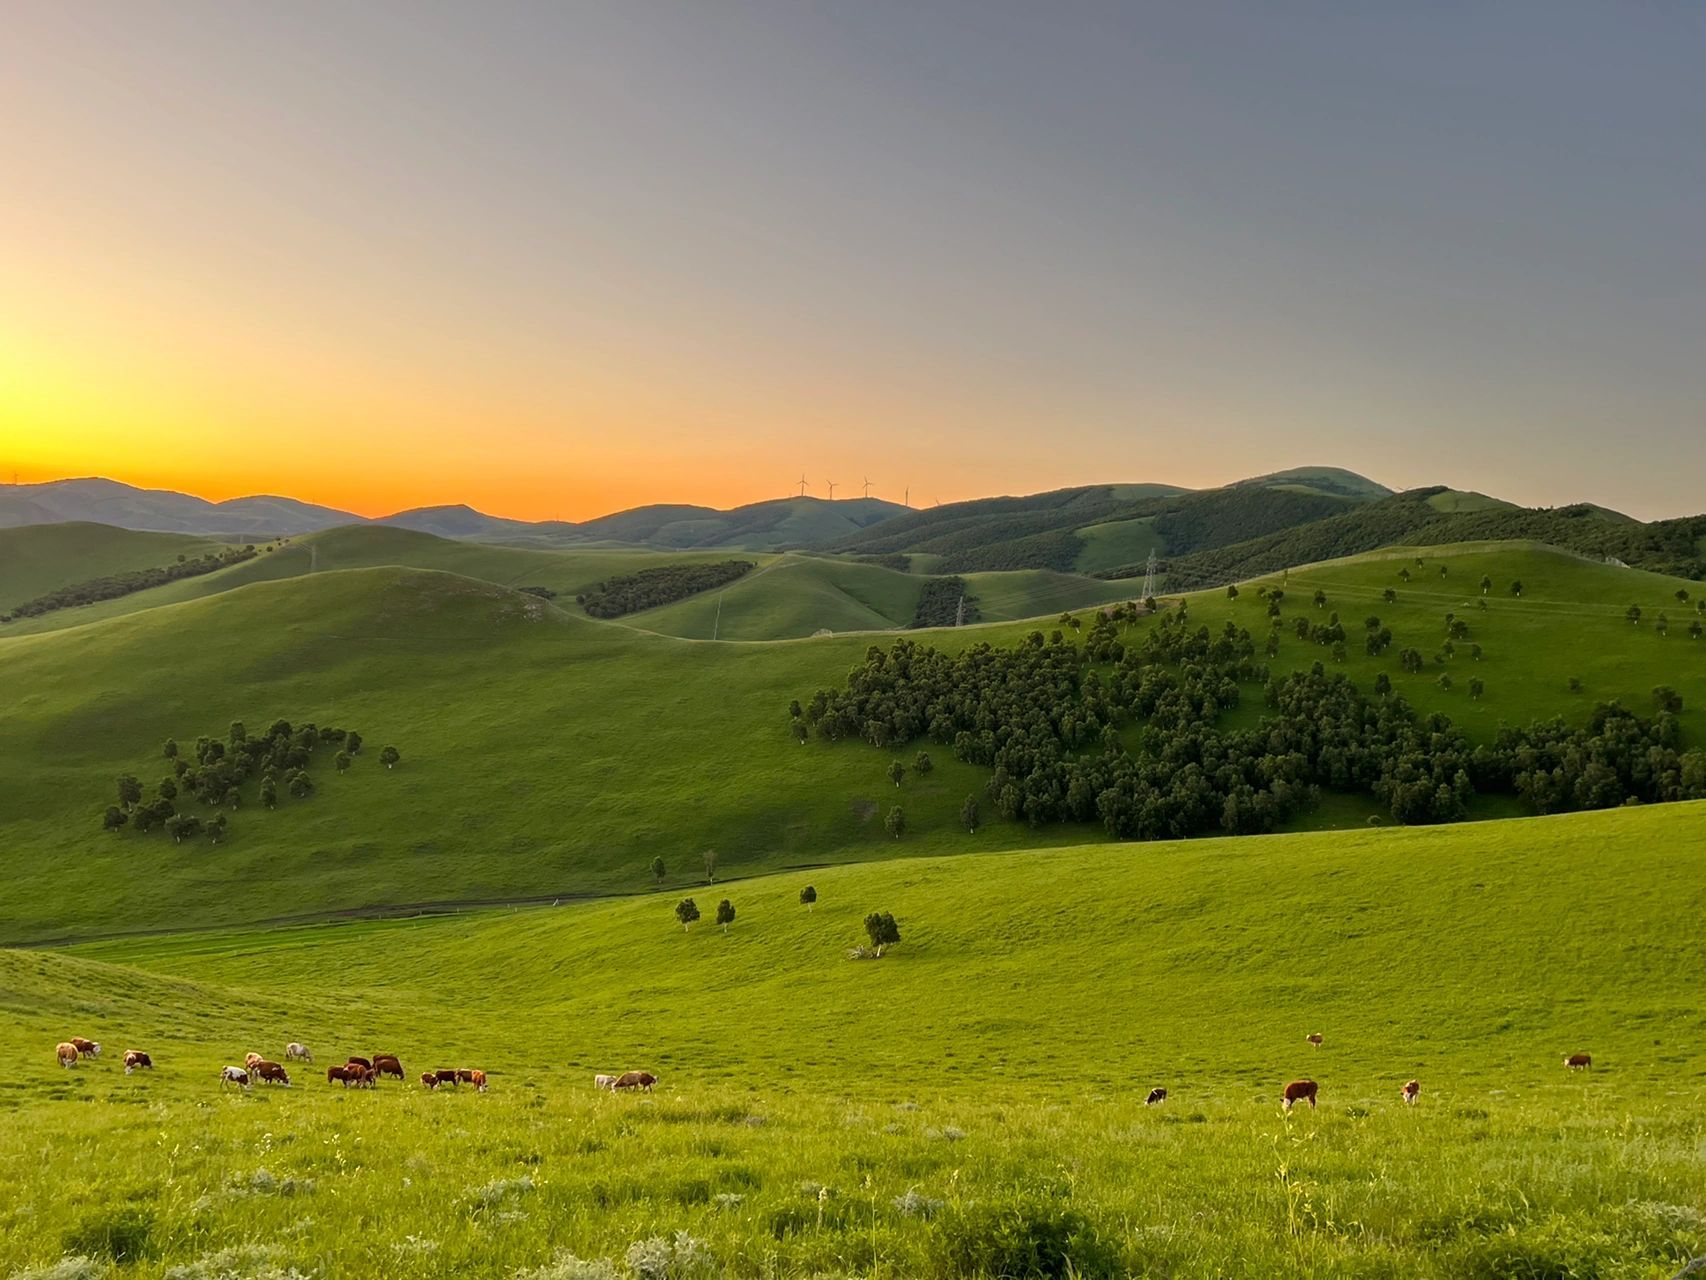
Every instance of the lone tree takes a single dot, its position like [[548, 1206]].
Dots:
[[808, 896], [342, 760], [710, 866], [658, 870], [1662, 626], [352, 743], [116, 818], [1575, 684], [1231, 591], [883, 932], [389, 756], [1476, 687], [969, 815], [799, 731], [1382, 685], [1633, 613], [1516, 587], [725, 914], [1445, 680], [1404, 574], [1320, 598], [921, 764], [896, 822], [897, 771], [1666, 698], [1486, 584], [1389, 595], [1682, 595], [686, 911], [171, 749], [1695, 629]]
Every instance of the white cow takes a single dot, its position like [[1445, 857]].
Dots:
[[234, 1075], [604, 1082], [297, 1051]]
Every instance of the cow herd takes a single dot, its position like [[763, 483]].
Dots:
[[356, 1073]]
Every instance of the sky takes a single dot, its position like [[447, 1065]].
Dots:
[[558, 259]]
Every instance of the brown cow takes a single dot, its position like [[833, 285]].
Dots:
[[354, 1073], [1298, 1090], [1411, 1092], [135, 1060], [88, 1048], [270, 1073], [478, 1080], [1579, 1061], [445, 1076], [387, 1065], [360, 1062], [429, 1080], [1314, 1038], [67, 1053], [635, 1080]]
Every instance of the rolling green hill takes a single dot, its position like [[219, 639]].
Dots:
[[549, 754], [37, 559], [970, 1105]]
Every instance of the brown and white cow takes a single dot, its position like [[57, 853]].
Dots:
[[271, 1073], [386, 1064], [66, 1053], [635, 1080], [1314, 1038], [429, 1080], [1579, 1061], [136, 1060], [1411, 1091], [234, 1075], [297, 1052], [477, 1078], [1298, 1091], [354, 1073], [1156, 1096], [445, 1075], [88, 1048]]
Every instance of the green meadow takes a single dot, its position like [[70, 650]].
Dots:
[[969, 1105], [546, 754]]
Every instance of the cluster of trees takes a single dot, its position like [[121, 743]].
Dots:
[[665, 584], [944, 602], [880, 926], [1126, 735], [123, 584], [213, 772]]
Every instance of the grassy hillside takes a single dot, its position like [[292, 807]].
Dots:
[[547, 754], [970, 1105], [37, 559]]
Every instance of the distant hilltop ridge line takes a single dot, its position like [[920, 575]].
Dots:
[[99, 500]]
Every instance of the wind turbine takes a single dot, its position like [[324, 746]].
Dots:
[[867, 486], [802, 484], [906, 497], [831, 485]]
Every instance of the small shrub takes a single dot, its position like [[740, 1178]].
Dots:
[[913, 1205], [75, 1268], [658, 1258], [565, 1266], [1032, 1237]]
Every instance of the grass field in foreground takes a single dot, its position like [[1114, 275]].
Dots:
[[971, 1105], [546, 754]]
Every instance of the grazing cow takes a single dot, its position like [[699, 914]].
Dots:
[[429, 1080], [360, 1062], [464, 1075], [88, 1048], [271, 1073], [478, 1080], [135, 1060], [234, 1075], [1298, 1090], [67, 1053], [1411, 1092], [444, 1076], [294, 1052], [354, 1073], [1155, 1096], [386, 1065], [1314, 1038], [251, 1060], [1579, 1061], [603, 1082], [635, 1080]]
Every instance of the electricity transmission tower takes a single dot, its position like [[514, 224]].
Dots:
[[960, 613], [1149, 576]]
